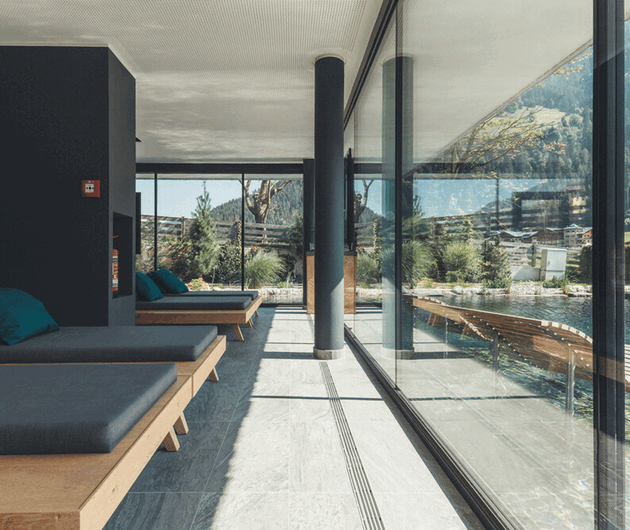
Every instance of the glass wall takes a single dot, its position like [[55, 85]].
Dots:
[[273, 236], [202, 239], [145, 259], [477, 124], [374, 209]]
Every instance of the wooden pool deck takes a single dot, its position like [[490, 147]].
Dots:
[[546, 344]]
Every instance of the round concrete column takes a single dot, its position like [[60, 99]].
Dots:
[[329, 208]]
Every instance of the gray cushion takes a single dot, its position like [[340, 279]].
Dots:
[[112, 344], [251, 294], [80, 408], [196, 303]]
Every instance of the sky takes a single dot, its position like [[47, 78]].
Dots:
[[439, 198]]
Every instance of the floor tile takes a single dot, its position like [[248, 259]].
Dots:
[[187, 469], [254, 458], [321, 511], [316, 459], [154, 511], [243, 511]]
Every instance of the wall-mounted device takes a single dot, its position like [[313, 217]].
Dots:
[[90, 188], [115, 270]]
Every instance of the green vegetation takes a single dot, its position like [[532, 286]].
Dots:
[[556, 283], [495, 266], [262, 268], [228, 268], [461, 260], [202, 255], [369, 270]]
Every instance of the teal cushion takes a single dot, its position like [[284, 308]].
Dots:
[[168, 282], [146, 289], [22, 316]]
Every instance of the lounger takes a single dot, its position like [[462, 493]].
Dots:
[[81, 491], [251, 294], [195, 349], [170, 285], [233, 310]]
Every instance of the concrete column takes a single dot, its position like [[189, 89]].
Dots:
[[329, 208]]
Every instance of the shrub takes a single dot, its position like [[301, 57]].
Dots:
[[416, 262], [368, 270], [228, 268], [462, 258], [196, 284], [453, 277], [556, 283], [262, 269]]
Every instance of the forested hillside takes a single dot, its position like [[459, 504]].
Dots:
[[285, 205]]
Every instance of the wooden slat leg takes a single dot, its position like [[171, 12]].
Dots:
[[171, 442], [250, 324], [239, 334], [256, 312], [181, 427], [213, 375]]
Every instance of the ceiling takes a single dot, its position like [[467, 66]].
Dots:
[[233, 80], [216, 79]]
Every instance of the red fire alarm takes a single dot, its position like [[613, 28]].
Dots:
[[90, 188]]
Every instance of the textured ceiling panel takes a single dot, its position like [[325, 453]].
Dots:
[[215, 78]]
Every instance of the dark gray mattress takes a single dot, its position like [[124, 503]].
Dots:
[[112, 344], [195, 303], [77, 408], [251, 294]]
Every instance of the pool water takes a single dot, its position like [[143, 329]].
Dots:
[[575, 312]]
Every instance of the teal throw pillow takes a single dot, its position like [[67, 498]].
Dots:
[[146, 289], [168, 282], [22, 316]]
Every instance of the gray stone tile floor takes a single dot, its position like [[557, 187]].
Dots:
[[264, 451], [525, 450]]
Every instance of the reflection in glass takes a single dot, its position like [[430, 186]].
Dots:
[[504, 199]]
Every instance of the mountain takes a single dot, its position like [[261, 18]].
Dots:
[[285, 205]]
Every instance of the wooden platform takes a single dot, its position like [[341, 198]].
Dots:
[[543, 343], [232, 316], [82, 491]]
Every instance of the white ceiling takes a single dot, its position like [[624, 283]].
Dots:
[[222, 80], [216, 79]]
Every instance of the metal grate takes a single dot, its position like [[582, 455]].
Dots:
[[366, 503]]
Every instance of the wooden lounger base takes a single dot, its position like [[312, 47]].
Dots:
[[82, 491], [233, 316]]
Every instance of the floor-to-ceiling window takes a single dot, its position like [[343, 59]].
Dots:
[[480, 119], [225, 231], [374, 207]]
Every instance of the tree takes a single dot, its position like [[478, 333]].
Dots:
[[494, 139], [360, 200], [495, 266], [203, 252], [259, 202]]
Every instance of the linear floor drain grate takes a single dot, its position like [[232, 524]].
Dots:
[[370, 516]]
